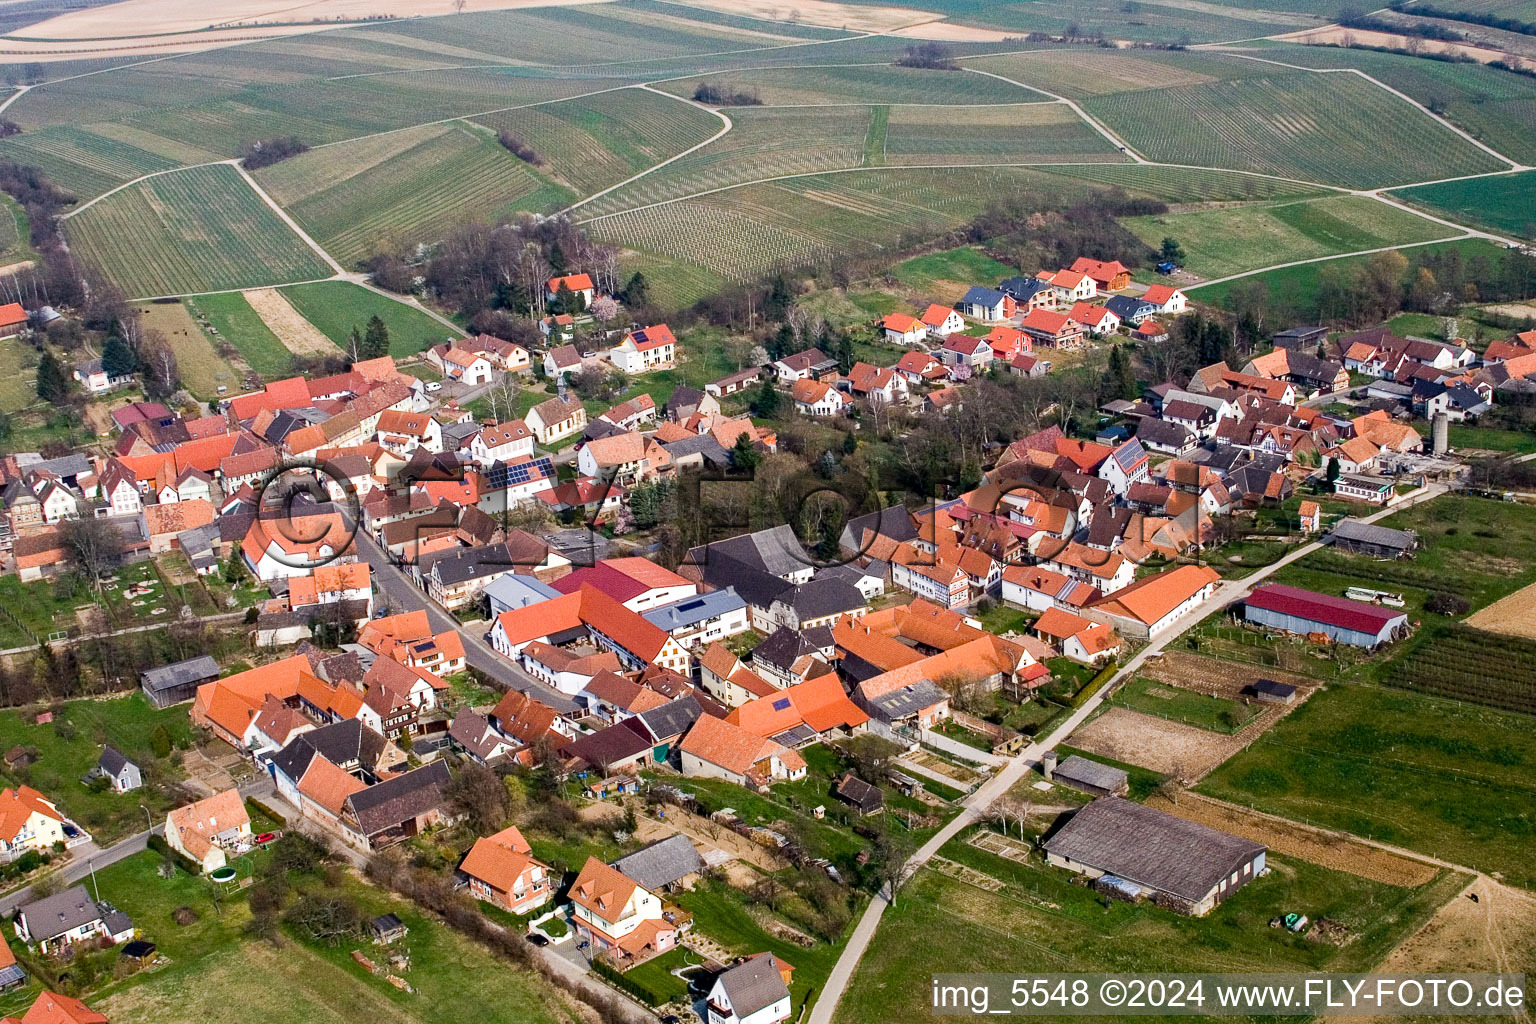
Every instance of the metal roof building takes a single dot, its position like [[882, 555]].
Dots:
[[1177, 863], [1294, 610]]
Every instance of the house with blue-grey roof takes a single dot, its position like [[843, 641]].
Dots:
[[702, 618], [1029, 292], [987, 304], [1131, 309]]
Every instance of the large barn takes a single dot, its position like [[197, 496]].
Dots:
[[1179, 864], [1294, 610]]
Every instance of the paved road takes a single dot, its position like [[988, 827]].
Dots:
[[90, 856], [403, 593], [1225, 593]]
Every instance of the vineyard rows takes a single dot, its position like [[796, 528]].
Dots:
[[1498, 671], [1078, 75], [85, 163], [1040, 131], [598, 141], [201, 229], [875, 83], [359, 197], [718, 236], [764, 143], [1338, 129]]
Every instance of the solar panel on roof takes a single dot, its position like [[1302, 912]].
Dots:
[[524, 471], [782, 704]]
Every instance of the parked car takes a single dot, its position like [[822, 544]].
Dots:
[[434, 385]]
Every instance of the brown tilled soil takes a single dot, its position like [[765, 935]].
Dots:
[[1496, 933], [1301, 841], [1152, 742], [1514, 615], [1215, 677]]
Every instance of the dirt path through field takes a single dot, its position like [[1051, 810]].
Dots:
[[298, 335], [1514, 615]]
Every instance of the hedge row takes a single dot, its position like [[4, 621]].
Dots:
[[254, 807], [634, 986]]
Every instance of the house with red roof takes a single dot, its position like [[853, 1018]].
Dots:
[[590, 615], [1155, 603], [920, 368], [579, 285], [1054, 330], [1166, 298], [1357, 623], [617, 916], [715, 748], [645, 349], [901, 329], [1107, 277], [1097, 319], [1007, 343], [1082, 640], [817, 398], [503, 872], [809, 712], [28, 821], [13, 319], [639, 584], [1069, 285], [966, 350], [942, 320], [52, 1008]]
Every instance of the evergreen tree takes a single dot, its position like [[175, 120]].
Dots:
[[744, 456], [637, 293], [52, 384], [777, 301], [1172, 251], [782, 343], [375, 339], [850, 443], [556, 258], [845, 353], [1332, 473], [117, 359], [567, 301], [766, 402], [1120, 379]]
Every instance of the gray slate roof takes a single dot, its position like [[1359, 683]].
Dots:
[[400, 798], [661, 863], [1092, 773], [192, 670], [1369, 533], [908, 700], [752, 985], [1151, 848], [59, 913], [114, 761]]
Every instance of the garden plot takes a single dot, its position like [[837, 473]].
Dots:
[[1215, 677], [1152, 742], [298, 335]]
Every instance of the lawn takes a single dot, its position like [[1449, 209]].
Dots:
[[1041, 920], [218, 975], [18, 375], [241, 326], [197, 230], [1448, 779], [39, 607], [730, 918], [1503, 203], [1001, 619], [1236, 239], [70, 746], [966, 265], [1178, 705], [336, 307], [1467, 437], [655, 974], [202, 369], [1299, 285]]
